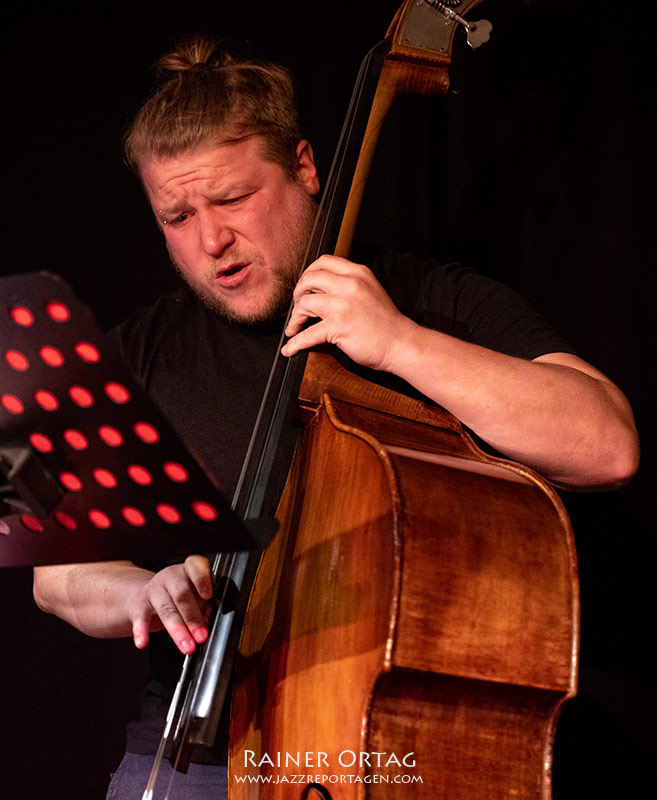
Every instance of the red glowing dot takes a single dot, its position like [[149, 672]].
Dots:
[[16, 360], [99, 518], [76, 439], [87, 352], [51, 356], [133, 516], [81, 397], [105, 478], [12, 404], [41, 443], [22, 316], [110, 435], [65, 521], [146, 432], [31, 523], [176, 472], [168, 513], [140, 475], [204, 510], [70, 481], [58, 311], [117, 392], [46, 400]]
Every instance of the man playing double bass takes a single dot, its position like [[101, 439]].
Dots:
[[232, 187]]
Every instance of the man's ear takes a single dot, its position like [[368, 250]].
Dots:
[[305, 167]]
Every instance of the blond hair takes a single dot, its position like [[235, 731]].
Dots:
[[206, 95]]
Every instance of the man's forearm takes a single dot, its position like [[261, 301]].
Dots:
[[556, 413], [117, 598], [91, 597]]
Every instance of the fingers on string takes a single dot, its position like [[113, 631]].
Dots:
[[198, 571], [309, 308], [174, 603], [312, 336]]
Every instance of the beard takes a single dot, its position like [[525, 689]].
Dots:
[[284, 274]]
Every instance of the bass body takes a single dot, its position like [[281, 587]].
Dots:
[[412, 629]]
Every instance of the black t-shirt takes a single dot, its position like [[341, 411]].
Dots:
[[208, 376]]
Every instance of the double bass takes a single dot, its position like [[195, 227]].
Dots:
[[412, 627]]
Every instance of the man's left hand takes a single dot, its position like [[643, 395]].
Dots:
[[352, 311]]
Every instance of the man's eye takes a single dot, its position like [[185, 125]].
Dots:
[[172, 223], [232, 201]]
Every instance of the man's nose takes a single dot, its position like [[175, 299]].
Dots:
[[215, 235]]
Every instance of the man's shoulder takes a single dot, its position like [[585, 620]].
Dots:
[[404, 275], [139, 335], [160, 314], [455, 299], [420, 285]]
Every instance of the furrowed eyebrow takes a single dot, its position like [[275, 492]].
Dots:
[[239, 188], [214, 197], [169, 212], [243, 187]]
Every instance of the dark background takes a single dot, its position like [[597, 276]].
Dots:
[[538, 169]]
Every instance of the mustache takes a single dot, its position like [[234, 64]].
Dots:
[[231, 261]]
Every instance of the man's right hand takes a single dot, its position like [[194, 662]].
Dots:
[[117, 598], [173, 599]]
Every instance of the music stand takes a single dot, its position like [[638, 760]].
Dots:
[[99, 471]]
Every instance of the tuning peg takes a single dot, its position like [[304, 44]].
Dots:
[[477, 33]]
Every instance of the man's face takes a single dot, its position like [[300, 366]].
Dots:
[[236, 226]]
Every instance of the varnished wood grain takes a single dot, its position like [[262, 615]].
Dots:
[[420, 601]]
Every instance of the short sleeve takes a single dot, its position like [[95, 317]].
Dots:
[[458, 301]]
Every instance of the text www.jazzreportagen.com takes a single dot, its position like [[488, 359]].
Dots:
[[327, 779]]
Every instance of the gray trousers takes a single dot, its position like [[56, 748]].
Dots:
[[201, 782]]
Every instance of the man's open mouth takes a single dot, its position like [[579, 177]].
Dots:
[[232, 275]]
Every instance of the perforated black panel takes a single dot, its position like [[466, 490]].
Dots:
[[102, 471]]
